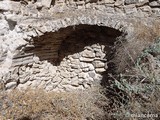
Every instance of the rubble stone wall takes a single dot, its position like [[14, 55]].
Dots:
[[63, 46]]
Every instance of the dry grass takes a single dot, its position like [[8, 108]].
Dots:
[[140, 86], [128, 50], [39, 105]]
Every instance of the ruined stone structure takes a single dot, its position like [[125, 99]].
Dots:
[[64, 45]]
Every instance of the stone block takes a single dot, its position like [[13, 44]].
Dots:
[[10, 6], [119, 3], [88, 54], [130, 9], [98, 64], [146, 9], [109, 1], [156, 11], [92, 74], [11, 85], [154, 4], [86, 59], [131, 1], [100, 70], [46, 3], [142, 2], [24, 79]]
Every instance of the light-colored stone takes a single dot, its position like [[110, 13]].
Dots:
[[142, 2], [119, 2], [88, 54], [154, 4], [92, 74], [35, 83], [24, 86], [23, 80], [11, 85], [86, 59], [46, 3], [130, 9], [52, 70], [9, 5], [56, 79], [65, 74], [75, 56], [109, 1], [36, 59], [4, 27], [100, 70], [146, 9], [156, 11], [49, 87], [75, 82], [98, 64], [83, 75], [84, 65], [131, 1], [91, 67]]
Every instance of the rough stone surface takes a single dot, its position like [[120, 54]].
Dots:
[[63, 45]]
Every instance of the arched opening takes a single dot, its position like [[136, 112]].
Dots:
[[53, 47], [71, 58]]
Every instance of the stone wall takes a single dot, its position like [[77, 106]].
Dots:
[[50, 7], [64, 45], [72, 58]]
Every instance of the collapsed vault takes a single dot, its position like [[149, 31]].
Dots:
[[71, 58]]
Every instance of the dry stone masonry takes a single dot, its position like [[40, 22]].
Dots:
[[64, 45]]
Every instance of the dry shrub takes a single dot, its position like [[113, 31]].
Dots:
[[141, 85], [128, 49], [39, 105]]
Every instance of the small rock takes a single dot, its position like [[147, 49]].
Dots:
[[86, 59], [130, 2], [98, 78], [74, 66], [53, 70], [73, 74], [36, 83], [156, 11], [100, 70], [85, 69], [130, 9], [106, 66], [11, 85], [49, 87], [65, 74], [98, 64], [82, 75], [65, 81], [119, 2], [76, 56], [92, 74], [24, 86], [36, 59], [75, 82], [56, 79], [109, 1], [84, 65], [146, 8], [24, 79], [88, 54], [46, 3], [91, 67], [154, 4]]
